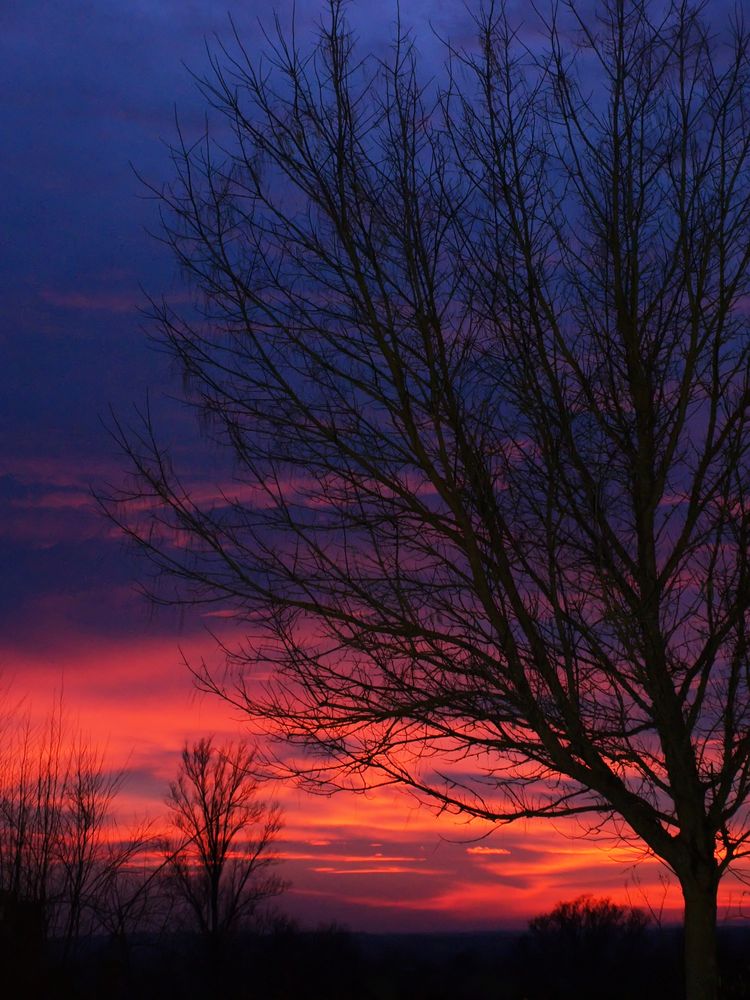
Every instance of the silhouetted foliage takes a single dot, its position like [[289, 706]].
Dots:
[[480, 355]]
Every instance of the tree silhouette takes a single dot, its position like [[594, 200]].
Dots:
[[221, 861], [479, 354], [60, 852]]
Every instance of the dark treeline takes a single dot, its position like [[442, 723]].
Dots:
[[80, 892], [279, 962]]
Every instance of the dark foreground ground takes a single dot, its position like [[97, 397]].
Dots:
[[334, 965]]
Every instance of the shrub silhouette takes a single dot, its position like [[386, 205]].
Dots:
[[582, 944], [587, 922]]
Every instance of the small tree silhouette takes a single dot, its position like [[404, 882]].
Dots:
[[221, 865], [58, 845]]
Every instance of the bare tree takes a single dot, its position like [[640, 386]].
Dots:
[[59, 849], [480, 356], [91, 854], [222, 859]]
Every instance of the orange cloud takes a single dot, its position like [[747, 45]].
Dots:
[[484, 851]]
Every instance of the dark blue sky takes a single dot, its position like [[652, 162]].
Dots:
[[90, 93]]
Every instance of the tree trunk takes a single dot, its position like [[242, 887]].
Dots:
[[701, 968]]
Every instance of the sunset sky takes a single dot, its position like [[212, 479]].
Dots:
[[89, 98]]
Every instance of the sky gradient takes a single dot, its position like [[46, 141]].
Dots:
[[91, 92]]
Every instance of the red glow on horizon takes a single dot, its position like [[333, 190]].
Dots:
[[377, 861]]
